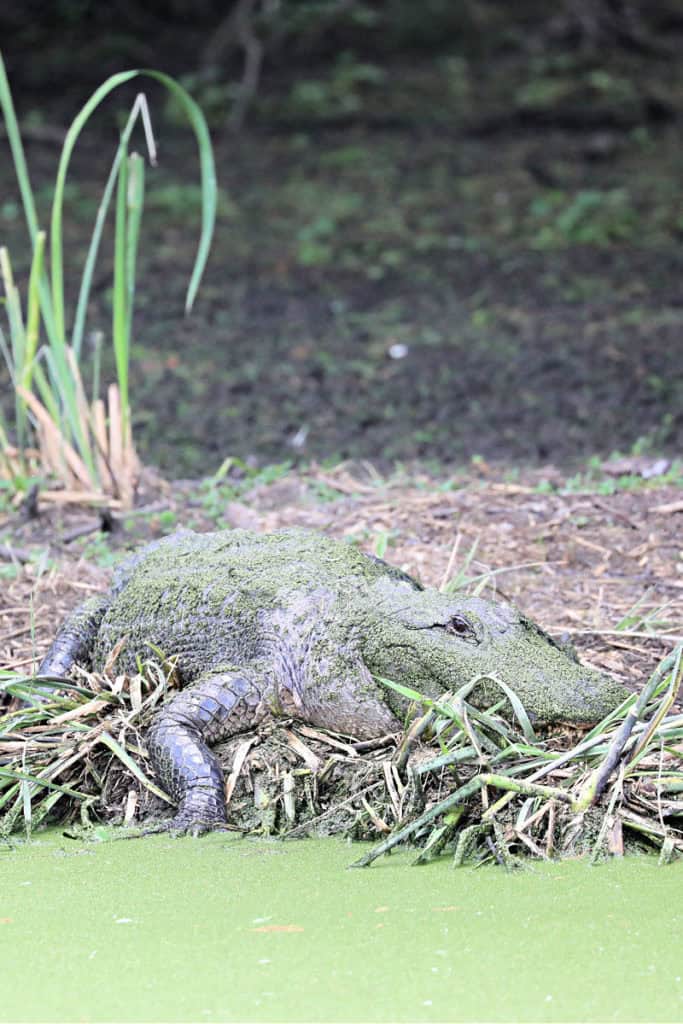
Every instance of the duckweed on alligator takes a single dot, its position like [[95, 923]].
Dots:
[[295, 624]]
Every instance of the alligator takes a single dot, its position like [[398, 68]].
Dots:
[[299, 625]]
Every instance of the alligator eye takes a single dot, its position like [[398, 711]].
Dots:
[[462, 627]]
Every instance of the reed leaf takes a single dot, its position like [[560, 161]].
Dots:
[[132, 766], [71, 447]]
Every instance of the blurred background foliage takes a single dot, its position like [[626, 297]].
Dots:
[[235, 46], [444, 229]]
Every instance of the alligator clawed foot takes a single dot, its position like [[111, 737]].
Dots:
[[187, 825]]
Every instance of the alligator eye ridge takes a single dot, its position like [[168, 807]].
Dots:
[[462, 627]]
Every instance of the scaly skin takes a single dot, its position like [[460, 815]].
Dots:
[[296, 624], [178, 745]]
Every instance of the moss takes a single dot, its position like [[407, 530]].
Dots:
[[314, 618]]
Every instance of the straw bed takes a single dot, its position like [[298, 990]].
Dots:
[[459, 780]]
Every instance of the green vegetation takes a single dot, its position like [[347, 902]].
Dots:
[[513, 223], [78, 752], [31, 792], [233, 479], [597, 479], [589, 217], [488, 754], [84, 442], [338, 94]]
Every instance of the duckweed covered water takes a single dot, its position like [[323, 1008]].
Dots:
[[237, 929]]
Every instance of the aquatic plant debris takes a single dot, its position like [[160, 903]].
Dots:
[[473, 784]]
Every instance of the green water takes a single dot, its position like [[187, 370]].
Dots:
[[221, 929]]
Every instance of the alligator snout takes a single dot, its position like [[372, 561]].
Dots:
[[448, 641], [581, 697], [564, 691], [552, 685]]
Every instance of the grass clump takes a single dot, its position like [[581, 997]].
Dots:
[[85, 442], [480, 785], [58, 740]]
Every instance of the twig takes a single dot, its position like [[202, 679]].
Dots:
[[598, 779], [8, 553], [616, 632], [103, 524], [364, 746], [531, 845], [148, 510], [4, 637]]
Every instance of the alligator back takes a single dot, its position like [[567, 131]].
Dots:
[[205, 597]]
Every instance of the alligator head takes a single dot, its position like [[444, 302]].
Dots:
[[436, 642]]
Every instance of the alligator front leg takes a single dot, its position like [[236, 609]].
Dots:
[[212, 709]]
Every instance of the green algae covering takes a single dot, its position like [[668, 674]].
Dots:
[[231, 929], [301, 612]]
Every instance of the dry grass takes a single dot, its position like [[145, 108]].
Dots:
[[459, 779], [116, 461]]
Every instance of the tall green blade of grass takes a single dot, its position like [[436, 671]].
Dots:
[[23, 337], [64, 378], [56, 234], [135, 204], [20, 354], [24, 182], [4, 440], [120, 294], [4, 445], [17, 334], [33, 310], [128, 239], [139, 109], [17, 150], [129, 203], [65, 396], [208, 178]]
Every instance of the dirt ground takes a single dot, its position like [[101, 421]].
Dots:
[[484, 259], [605, 572]]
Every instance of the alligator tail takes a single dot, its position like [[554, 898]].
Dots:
[[76, 638]]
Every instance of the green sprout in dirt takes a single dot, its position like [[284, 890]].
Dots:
[[86, 444]]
